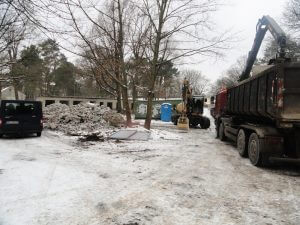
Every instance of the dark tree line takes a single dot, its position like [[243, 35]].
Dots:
[[43, 71]]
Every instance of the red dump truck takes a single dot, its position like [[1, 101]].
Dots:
[[262, 112]]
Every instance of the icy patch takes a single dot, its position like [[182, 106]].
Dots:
[[166, 135], [154, 134], [157, 134]]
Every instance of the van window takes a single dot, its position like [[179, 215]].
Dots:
[[13, 108], [29, 108]]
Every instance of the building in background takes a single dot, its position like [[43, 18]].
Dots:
[[8, 93]]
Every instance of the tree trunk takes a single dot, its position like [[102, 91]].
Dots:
[[120, 49], [126, 105], [119, 98], [0, 90], [134, 97], [16, 90], [148, 119], [154, 66]]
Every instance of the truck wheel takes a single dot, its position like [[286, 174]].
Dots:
[[255, 151], [1, 135], [221, 132], [206, 123], [194, 124], [174, 120], [242, 144], [38, 134], [217, 125]]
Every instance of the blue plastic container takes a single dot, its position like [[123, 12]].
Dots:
[[166, 112]]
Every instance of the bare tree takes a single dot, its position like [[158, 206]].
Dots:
[[271, 49], [230, 77], [198, 82], [15, 16], [14, 35], [292, 16], [105, 44], [178, 29]]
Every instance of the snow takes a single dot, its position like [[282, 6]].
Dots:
[[183, 178], [157, 134], [82, 119]]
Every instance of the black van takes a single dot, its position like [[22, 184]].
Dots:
[[20, 117]]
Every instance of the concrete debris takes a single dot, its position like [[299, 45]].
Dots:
[[82, 119], [131, 135]]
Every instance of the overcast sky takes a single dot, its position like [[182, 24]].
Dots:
[[241, 16]]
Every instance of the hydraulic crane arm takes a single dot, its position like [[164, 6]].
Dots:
[[264, 24]]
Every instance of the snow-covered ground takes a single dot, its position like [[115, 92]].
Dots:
[[175, 178]]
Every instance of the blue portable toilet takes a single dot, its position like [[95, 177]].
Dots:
[[166, 112]]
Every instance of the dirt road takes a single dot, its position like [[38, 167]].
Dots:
[[195, 179]]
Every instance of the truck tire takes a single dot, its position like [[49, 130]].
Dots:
[[221, 132], [194, 123], [174, 120], [255, 151], [217, 125], [38, 134], [205, 123], [242, 143], [1, 135]]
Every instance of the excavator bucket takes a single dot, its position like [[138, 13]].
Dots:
[[183, 123]]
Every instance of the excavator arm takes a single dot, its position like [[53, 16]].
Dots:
[[264, 24]]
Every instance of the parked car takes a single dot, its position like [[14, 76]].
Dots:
[[20, 117]]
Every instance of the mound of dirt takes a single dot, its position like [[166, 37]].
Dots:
[[81, 119]]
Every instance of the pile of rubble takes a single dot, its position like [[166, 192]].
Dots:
[[81, 119]]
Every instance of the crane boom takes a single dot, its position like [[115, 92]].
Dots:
[[264, 24]]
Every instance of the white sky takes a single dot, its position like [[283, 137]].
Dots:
[[241, 16]]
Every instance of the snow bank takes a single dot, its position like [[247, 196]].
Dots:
[[81, 119]]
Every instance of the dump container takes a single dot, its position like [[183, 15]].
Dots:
[[166, 112], [272, 94]]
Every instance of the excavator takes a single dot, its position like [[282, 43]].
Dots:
[[189, 111]]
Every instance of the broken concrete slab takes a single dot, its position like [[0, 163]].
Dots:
[[131, 135]]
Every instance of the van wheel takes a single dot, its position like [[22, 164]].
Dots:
[[221, 132], [255, 151], [38, 134], [242, 143]]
